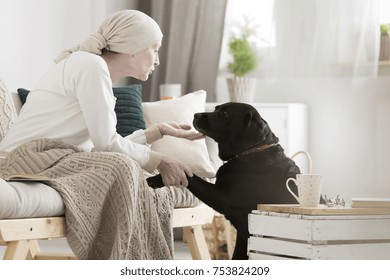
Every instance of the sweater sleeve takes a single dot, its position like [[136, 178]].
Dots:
[[149, 135], [90, 83]]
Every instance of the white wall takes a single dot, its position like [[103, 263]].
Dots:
[[34, 32]]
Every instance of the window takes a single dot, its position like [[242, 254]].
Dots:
[[310, 39], [259, 13], [384, 11]]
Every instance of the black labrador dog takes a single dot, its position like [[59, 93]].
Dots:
[[255, 169]]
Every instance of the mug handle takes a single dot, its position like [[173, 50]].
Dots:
[[288, 188]]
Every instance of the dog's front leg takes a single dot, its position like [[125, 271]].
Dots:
[[207, 193], [155, 182]]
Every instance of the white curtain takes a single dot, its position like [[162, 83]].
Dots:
[[323, 39], [191, 44]]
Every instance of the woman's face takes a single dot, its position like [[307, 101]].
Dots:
[[144, 62]]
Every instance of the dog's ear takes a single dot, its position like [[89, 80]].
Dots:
[[248, 120], [254, 128], [266, 132], [259, 129]]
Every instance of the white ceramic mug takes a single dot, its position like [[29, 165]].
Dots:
[[309, 189], [170, 91]]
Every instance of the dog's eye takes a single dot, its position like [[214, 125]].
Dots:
[[225, 114]]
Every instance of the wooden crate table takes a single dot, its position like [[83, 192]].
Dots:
[[293, 232]]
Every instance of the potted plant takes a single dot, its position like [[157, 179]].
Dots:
[[384, 50], [244, 60]]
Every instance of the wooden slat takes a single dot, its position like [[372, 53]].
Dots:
[[54, 256], [289, 248], [322, 210], [361, 251], [199, 215], [315, 231], [280, 226], [34, 228], [280, 247], [350, 230], [261, 256]]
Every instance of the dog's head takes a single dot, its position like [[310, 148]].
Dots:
[[236, 127]]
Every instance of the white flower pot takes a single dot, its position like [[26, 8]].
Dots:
[[241, 89]]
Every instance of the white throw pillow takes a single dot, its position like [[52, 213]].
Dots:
[[181, 110], [7, 110]]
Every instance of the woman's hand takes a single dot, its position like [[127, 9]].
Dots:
[[179, 130], [174, 172]]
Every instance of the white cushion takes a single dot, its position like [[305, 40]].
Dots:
[[181, 110], [29, 199]]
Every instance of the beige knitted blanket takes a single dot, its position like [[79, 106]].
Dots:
[[111, 213]]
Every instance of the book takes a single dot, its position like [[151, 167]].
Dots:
[[21, 177], [370, 202]]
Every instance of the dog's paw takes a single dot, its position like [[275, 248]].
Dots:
[[155, 182]]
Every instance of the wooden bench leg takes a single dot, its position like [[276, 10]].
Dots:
[[196, 242], [21, 250]]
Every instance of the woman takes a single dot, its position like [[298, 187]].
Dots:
[[74, 102]]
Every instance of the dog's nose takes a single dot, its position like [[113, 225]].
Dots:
[[197, 116]]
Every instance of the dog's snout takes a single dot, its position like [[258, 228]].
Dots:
[[200, 121]]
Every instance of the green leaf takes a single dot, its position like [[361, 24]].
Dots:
[[245, 59]]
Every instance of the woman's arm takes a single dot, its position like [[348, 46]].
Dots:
[[146, 136], [156, 132], [89, 81]]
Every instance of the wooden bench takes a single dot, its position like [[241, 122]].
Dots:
[[20, 236]]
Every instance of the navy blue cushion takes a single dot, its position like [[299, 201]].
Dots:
[[23, 93], [128, 107]]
